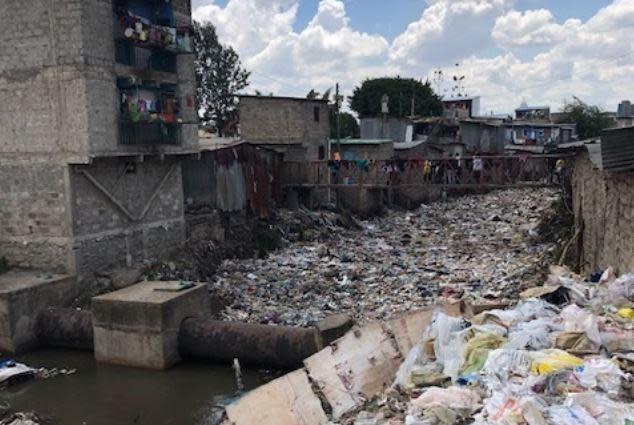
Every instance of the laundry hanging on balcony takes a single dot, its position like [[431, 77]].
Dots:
[[142, 31]]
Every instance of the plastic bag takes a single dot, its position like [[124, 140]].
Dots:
[[453, 397], [449, 340], [534, 335], [405, 369], [477, 351], [503, 363], [579, 320], [548, 361], [599, 373], [601, 408], [565, 415]]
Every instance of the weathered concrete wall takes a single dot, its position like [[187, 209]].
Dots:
[[35, 224], [604, 208], [58, 80], [142, 217], [284, 121]]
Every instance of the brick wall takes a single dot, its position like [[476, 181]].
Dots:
[[604, 207]]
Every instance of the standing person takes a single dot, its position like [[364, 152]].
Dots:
[[458, 165], [477, 168], [559, 170]]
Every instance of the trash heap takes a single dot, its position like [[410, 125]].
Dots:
[[537, 363], [486, 246]]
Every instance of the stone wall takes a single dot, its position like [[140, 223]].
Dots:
[[277, 120], [604, 208], [377, 152], [141, 217], [34, 215]]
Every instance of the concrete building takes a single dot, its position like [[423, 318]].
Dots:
[[398, 129], [361, 149], [461, 107], [97, 105], [538, 133], [298, 127], [625, 114], [533, 113], [483, 135]]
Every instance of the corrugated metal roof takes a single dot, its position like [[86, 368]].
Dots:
[[362, 141], [617, 149]]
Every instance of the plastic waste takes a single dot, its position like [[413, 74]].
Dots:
[[601, 408], [579, 320], [569, 415], [477, 351], [405, 369], [599, 373], [449, 340], [501, 363], [454, 397], [534, 335], [551, 360], [626, 313]]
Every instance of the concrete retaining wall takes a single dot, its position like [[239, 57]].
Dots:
[[604, 209]]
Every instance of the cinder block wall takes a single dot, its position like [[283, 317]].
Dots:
[[284, 120], [604, 205], [105, 235], [34, 215]]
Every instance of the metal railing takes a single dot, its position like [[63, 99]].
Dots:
[[466, 172], [149, 133]]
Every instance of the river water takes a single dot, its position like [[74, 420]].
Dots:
[[99, 394]]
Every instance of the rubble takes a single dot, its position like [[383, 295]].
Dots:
[[522, 376], [483, 248]]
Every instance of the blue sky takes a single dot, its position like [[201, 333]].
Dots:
[[391, 17], [538, 51]]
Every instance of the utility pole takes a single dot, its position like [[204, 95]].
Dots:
[[337, 107]]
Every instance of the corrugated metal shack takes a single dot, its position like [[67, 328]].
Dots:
[[232, 177]]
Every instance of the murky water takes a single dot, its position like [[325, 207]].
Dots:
[[110, 395]]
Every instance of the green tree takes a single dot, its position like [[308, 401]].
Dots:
[[590, 119], [219, 76], [348, 125], [366, 99]]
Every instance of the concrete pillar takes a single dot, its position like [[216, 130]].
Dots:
[[139, 325]]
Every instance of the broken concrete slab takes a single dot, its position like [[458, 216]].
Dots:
[[355, 367], [139, 325], [288, 400], [23, 295], [334, 327]]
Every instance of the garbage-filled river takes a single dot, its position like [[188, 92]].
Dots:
[[98, 394]]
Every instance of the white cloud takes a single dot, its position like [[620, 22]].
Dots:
[[507, 55], [529, 28], [288, 62]]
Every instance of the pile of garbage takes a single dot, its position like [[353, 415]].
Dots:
[[538, 363], [486, 246]]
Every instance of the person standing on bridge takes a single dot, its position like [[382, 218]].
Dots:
[[477, 168]]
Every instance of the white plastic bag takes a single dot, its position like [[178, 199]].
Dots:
[[533, 335], [449, 342], [599, 373], [579, 320]]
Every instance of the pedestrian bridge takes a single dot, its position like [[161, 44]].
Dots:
[[466, 172]]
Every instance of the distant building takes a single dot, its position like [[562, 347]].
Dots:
[[461, 107], [533, 113], [365, 149], [487, 136], [398, 129], [286, 123], [538, 133], [625, 114]]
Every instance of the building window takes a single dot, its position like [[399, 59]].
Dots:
[[322, 152], [316, 113]]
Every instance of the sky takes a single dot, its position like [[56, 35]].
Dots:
[[508, 51]]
